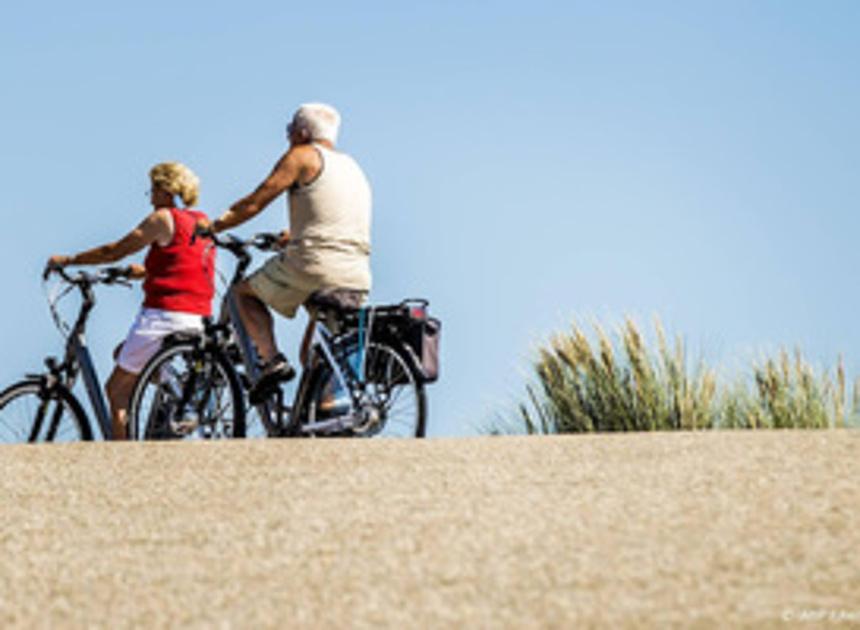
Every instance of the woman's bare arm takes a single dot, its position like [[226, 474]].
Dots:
[[156, 226]]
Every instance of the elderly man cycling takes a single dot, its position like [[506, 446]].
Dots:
[[328, 240]]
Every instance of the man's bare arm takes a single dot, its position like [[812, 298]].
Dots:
[[285, 173]]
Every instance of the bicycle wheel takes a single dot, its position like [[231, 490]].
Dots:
[[186, 392], [29, 413], [391, 402]]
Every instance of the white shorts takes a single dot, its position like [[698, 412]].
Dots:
[[149, 329]]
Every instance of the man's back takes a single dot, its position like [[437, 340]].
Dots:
[[330, 223]]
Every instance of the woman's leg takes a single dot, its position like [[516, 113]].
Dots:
[[119, 388]]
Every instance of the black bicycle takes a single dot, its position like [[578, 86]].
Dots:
[[366, 358], [42, 407]]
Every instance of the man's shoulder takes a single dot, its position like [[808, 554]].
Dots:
[[303, 153], [305, 160]]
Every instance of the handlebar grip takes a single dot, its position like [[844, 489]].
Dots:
[[113, 273], [57, 269], [117, 275], [266, 240]]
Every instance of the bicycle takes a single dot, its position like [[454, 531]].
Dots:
[[358, 351], [43, 407]]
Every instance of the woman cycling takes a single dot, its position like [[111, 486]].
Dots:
[[179, 278]]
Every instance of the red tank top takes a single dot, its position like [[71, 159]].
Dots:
[[181, 276]]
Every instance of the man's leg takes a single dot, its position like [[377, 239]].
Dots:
[[119, 388], [306, 341], [257, 320]]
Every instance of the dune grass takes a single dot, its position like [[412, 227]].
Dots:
[[598, 382]]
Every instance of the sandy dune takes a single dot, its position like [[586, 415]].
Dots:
[[652, 530]]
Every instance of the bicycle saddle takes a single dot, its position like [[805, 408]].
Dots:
[[337, 300]]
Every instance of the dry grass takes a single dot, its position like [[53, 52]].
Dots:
[[591, 383], [787, 394]]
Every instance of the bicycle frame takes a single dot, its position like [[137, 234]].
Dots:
[[320, 339], [77, 359], [249, 356], [271, 415], [81, 353]]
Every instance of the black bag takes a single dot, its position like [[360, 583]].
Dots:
[[422, 335], [429, 356], [408, 324]]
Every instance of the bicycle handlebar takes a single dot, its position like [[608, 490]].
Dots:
[[84, 282], [105, 275], [263, 241]]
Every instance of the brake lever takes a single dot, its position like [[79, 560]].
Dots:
[[50, 269], [116, 275], [232, 239], [266, 241]]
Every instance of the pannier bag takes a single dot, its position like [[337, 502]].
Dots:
[[406, 323], [422, 335], [430, 349]]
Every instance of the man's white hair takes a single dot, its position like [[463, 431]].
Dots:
[[321, 121]]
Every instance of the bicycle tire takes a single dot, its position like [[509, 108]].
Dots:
[[39, 421], [164, 407], [381, 357]]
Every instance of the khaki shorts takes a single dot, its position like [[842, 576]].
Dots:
[[276, 284]]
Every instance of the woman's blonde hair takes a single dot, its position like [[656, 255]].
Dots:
[[177, 179]]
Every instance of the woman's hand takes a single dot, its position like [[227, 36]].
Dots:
[[55, 262], [58, 261], [136, 272]]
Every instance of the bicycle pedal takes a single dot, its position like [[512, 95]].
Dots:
[[234, 355]]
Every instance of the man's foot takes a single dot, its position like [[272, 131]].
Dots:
[[331, 406], [334, 400], [277, 370]]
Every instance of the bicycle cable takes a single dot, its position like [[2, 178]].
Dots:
[[54, 294]]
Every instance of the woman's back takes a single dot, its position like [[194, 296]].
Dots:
[[181, 275]]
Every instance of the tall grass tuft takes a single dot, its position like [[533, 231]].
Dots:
[[603, 382], [786, 394], [599, 385]]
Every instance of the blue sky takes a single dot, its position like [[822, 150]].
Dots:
[[531, 162]]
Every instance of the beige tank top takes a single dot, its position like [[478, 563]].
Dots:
[[330, 225]]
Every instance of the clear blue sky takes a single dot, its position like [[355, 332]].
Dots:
[[531, 162]]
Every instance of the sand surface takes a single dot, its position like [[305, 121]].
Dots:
[[711, 530]]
